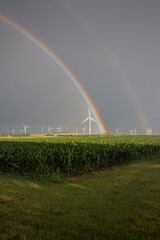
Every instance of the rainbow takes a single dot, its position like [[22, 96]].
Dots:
[[105, 50], [62, 66]]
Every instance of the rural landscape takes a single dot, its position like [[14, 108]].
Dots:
[[79, 120], [84, 187]]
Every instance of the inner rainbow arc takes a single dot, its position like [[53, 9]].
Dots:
[[62, 66]]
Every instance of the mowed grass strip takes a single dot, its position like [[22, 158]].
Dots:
[[121, 203]]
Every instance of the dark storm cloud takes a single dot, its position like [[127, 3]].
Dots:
[[84, 34]]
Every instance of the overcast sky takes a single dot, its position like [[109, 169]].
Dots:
[[111, 46]]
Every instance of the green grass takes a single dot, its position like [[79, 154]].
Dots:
[[121, 203]]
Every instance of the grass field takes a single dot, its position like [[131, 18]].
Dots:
[[120, 203]]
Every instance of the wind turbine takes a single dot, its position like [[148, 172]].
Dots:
[[12, 131], [131, 132], [49, 129], [76, 131], [59, 129], [149, 131], [117, 129], [25, 127], [90, 119], [84, 129]]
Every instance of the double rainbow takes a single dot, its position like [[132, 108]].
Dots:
[[106, 51], [62, 66]]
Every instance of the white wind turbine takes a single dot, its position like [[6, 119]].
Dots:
[[90, 119], [49, 129], [59, 129], [131, 132], [117, 129], [76, 130], [149, 131], [25, 127], [84, 129]]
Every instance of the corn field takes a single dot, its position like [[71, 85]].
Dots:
[[73, 155]]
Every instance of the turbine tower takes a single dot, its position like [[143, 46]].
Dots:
[[25, 127], [90, 119], [42, 130]]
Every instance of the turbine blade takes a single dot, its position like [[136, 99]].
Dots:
[[89, 111], [85, 120], [93, 120]]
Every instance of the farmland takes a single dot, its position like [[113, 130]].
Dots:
[[40, 197], [73, 155]]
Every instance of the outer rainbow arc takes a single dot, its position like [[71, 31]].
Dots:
[[63, 67], [115, 63]]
